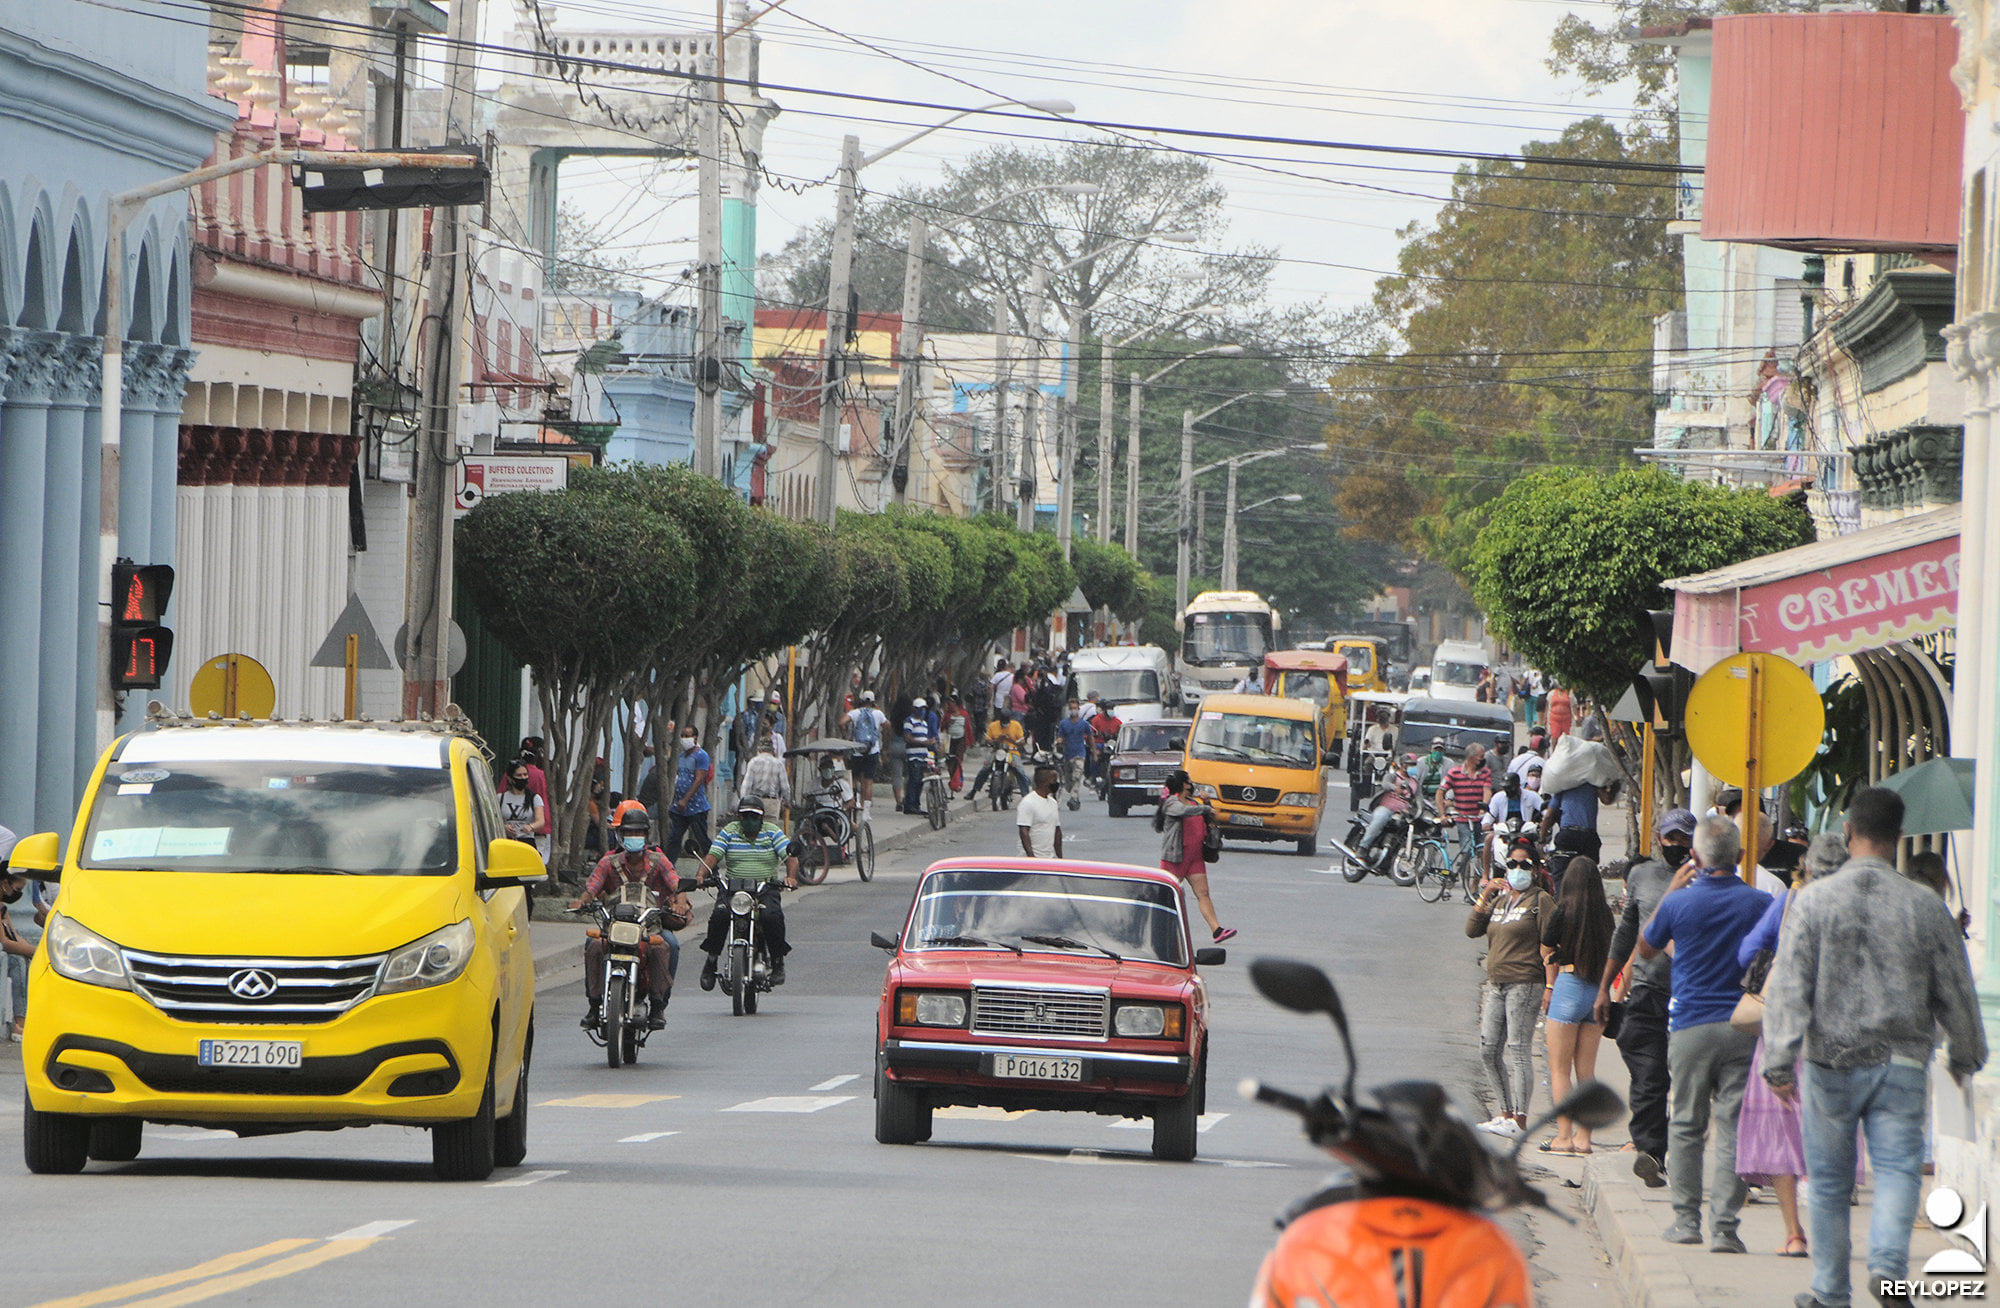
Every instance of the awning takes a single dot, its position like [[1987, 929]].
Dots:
[[1841, 596]]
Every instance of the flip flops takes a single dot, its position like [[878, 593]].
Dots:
[[1224, 933]]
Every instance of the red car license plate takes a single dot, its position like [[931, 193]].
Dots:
[[1035, 1067]]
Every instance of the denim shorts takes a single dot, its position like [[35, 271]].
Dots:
[[1575, 999]]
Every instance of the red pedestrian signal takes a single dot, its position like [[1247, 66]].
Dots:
[[140, 646]]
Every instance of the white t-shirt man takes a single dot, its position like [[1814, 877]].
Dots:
[[1003, 685], [1039, 818]]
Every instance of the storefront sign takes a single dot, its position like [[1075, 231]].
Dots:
[[1853, 606], [480, 475]]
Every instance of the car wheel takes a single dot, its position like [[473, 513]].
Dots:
[[1177, 1122], [116, 1139], [1309, 845], [463, 1151], [1118, 807], [53, 1143], [510, 1133], [901, 1115]]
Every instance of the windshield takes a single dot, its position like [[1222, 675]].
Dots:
[[1121, 686], [256, 816], [1154, 738], [1458, 674], [1133, 919], [1223, 639], [1306, 685], [1360, 659], [1252, 738]]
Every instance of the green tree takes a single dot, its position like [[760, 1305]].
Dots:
[[1604, 54], [1570, 559], [1109, 578]]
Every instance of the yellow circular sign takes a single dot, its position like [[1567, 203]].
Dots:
[[1789, 723], [254, 692]]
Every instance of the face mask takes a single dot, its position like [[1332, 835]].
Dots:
[[634, 844], [1520, 878], [11, 896], [1674, 855], [517, 783], [750, 826], [1534, 781]]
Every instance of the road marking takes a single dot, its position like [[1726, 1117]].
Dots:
[[213, 1267], [1244, 1162], [194, 1134], [981, 1113], [1202, 1123], [790, 1104], [650, 1135], [526, 1178], [373, 1230], [835, 1082], [233, 1272], [605, 1101], [298, 1262]]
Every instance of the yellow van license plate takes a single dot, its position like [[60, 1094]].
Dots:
[[252, 1053], [1246, 820]]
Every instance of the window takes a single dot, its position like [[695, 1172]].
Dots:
[[1253, 738], [1121, 686], [1225, 639], [1131, 918], [1154, 738]]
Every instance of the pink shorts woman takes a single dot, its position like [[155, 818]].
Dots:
[[1194, 830]]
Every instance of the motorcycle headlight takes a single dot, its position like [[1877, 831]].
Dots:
[[437, 958], [1155, 1021], [77, 952], [1298, 799], [1204, 792], [739, 903]]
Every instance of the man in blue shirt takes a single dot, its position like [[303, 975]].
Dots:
[[688, 814], [920, 733], [1705, 914], [1073, 734]]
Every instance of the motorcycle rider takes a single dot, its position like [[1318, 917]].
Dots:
[[1399, 795], [1001, 735], [1510, 801], [748, 850], [633, 860]]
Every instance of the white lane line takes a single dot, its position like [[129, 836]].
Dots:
[[835, 1082], [1202, 1123], [790, 1104], [650, 1135], [194, 1134], [373, 1230], [526, 1178]]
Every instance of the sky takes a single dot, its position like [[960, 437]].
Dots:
[[1455, 74]]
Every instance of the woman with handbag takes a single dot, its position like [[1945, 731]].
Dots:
[[1509, 913], [1188, 826], [1576, 940], [1769, 1147]]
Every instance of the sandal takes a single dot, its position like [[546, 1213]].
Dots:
[[1224, 933], [1548, 1146], [1795, 1248]]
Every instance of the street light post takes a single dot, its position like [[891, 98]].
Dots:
[[1107, 353], [1031, 402], [1231, 513], [1137, 389], [1188, 473]]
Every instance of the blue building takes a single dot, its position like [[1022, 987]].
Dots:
[[93, 102]]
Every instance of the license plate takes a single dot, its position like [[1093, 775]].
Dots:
[[1031, 1067], [1246, 820], [251, 1053]]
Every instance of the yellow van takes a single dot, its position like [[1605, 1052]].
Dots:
[[1257, 760], [1367, 661], [266, 927]]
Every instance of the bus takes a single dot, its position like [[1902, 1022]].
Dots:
[[1225, 635]]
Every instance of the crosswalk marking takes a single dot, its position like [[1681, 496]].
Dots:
[[649, 1135], [526, 1178], [981, 1113], [373, 1230], [789, 1104], [835, 1082], [1202, 1123], [605, 1101]]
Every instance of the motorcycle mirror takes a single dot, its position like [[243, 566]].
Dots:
[[880, 941], [1303, 988]]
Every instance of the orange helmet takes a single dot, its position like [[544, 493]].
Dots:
[[1396, 1253], [627, 806]]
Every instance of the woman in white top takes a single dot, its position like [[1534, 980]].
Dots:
[[522, 811]]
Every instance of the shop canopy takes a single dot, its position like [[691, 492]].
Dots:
[[1852, 593]]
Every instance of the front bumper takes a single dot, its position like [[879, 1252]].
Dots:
[[957, 1072], [1274, 821]]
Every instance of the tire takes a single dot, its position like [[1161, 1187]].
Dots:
[[1401, 871], [749, 986], [901, 1114], [631, 1045], [1309, 845], [1118, 808], [53, 1144], [1177, 1123], [115, 1139], [1353, 871], [1433, 876], [510, 1133], [864, 851], [815, 855], [934, 805], [740, 998], [464, 1151], [614, 1021]]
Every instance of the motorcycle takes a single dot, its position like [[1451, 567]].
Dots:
[[1000, 776], [744, 970], [1386, 859], [628, 926], [1411, 1209]]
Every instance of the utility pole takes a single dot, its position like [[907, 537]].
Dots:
[[1186, 507], [1132, 468], [1105, 421], [1066, 487], [1002, 375], [708, 269], [427, 598], [909, 379], [1031, 412], [1229, 530], [1201, 530], [833, 352]]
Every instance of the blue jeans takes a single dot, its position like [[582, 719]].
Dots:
[[1887, 1101], [1465, 834], [17, 981]]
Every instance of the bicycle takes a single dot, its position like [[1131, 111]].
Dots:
[[1465, 864], [937, 796], [1435, 873], [826, 834]]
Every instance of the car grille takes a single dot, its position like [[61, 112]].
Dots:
[[1020, 1010], [287, 990], [1250, 794], [1223, 684]]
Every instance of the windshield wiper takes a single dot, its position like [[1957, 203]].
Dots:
[[977, 942], [1205, 746], [1064, 942]]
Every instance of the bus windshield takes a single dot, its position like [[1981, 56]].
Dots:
[[1121, 685], [1458, 674], [1225, 639]]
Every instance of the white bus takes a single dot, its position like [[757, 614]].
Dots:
[[1225, 635]]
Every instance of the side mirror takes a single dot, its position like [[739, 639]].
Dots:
[[1303, 988], [512, 863], [1210, 956], [37, 857], [889, 944], [1329, 758]]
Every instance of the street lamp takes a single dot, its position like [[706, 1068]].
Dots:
[[1188, 419], [910, 341], [840, 272], [1133, 400], [1106, 355], [1232, 513]]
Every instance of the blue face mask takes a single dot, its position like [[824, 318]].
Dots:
[[634, 844], [1520, 878]]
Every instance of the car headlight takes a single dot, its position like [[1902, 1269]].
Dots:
[[739, 903], [1125, 774], [437, 958], [1298, 799], [1155, 1021], [930, 1008], [1205, 792], [77, 952]]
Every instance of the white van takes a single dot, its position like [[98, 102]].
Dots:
[[1137, 680], [1456, 667]]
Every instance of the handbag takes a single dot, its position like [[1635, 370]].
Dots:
[[1211, 842], [1749, 1014]]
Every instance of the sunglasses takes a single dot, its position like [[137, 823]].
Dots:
[[1517, 863]]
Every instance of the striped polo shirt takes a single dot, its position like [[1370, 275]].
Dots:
[[753, 858]]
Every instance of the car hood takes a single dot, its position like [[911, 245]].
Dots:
[[965, 967], [1149, 756], [240, 914]]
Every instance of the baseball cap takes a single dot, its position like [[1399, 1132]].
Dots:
[[918, 702], [1674, 822], [867, 697], [751, 806]]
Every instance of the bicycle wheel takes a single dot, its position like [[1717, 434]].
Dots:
[[864, 851], [1434, 873], [934, 803], [1468, 876]]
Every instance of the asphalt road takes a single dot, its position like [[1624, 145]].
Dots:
[[737, 1159]]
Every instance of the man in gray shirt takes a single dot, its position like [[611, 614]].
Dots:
[[1869, 965], [1642, 1041]]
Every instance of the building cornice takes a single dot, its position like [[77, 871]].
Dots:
[[69, 94], [1897, 328]]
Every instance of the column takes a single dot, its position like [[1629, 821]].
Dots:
[[31, 358], [92, 672], [166, 458], [58, 671]]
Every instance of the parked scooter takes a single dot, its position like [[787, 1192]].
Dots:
[[1411, 1210], [627, 926]]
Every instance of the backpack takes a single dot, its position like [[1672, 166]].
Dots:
[[868, 729]]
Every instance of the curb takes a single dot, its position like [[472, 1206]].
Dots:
[[1648, 1272]]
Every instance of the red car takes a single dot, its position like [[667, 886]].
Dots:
[[1022, 983]]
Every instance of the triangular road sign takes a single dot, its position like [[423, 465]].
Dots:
[[353, 621]]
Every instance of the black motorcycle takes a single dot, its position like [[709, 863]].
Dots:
[[627, 925], [1386, 858], [744, 970]]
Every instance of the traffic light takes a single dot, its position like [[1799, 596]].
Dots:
[[140, 645], [1662, 686]]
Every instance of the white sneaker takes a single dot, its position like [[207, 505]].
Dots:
[[1505, 1127]]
